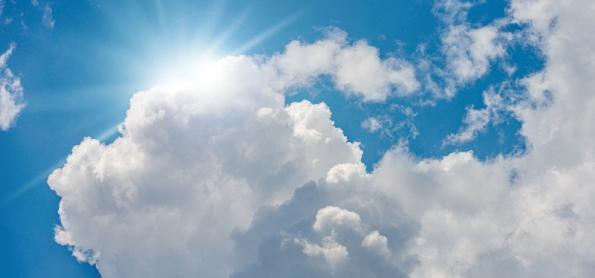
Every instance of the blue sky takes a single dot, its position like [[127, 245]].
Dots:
[[80, 62]]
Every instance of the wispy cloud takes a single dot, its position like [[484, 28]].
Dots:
[[11, 92], [48, 16]]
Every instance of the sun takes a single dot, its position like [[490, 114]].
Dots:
[[190, 73]]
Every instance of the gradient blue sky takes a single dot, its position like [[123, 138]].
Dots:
[[79, 74]]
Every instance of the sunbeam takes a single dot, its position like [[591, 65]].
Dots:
[[40, 179], [272, 30]]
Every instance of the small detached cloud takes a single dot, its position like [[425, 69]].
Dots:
[[11, 92], [386, 126], [48, 16], [371, 124], [355, 68]]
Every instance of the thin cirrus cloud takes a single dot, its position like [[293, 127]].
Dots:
[[11, 92], [233, 182]]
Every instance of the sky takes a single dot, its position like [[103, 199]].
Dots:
[[266, 138]]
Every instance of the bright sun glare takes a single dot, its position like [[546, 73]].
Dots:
[[193, 73]]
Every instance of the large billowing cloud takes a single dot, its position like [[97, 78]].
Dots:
[[230, 182], [191, 167], [11, 92]]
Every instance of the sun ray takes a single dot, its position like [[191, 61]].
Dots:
[[225, 35], [37, 180], [40, 178], [268, 33]]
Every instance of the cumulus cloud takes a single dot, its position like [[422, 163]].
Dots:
[[189, 153], [11, 92], [355, 68], [232, 182], [184, 158], [340, 226]]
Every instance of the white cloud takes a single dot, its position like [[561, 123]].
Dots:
[[11, 92], [377, 243], [371, 124], [232, 182], [48, 17], [477, 120], [527, 216], [348, 172], [386, 126], [188, 152], [330, 218], [355, 68], [335, 254], [365, 234], [184, 158], [469, 50]]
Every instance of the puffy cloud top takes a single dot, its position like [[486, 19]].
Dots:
[[355, 68]]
